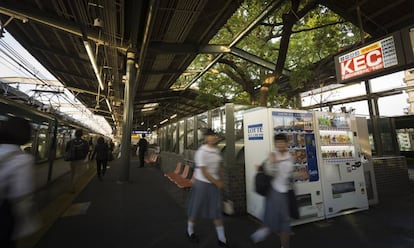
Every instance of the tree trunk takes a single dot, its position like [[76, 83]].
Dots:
[[289, 20]]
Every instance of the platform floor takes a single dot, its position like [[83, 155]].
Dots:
[[149, 211]]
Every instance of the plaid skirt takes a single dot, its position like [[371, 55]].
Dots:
[[205, 201]]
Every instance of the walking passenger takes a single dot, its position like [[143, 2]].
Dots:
[[17, 218], [205, 199], [276, 213], [142, 149], [76, 151], [100, 153]]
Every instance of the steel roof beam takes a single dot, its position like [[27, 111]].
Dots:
[[53, 22], [58, 53], [255, 59], [182, 48], [356, 98], [267, 11]]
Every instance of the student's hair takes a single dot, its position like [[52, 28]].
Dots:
[[100, 140], [15, 130], [209, 131], [78, 133], [280, 137]]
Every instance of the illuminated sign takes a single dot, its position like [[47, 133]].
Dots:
[[376, 56], [141, 132]]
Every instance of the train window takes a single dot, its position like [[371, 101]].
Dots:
[[42, 149]]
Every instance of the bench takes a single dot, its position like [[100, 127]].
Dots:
[[182, 175]]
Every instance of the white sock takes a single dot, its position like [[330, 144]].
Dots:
[[260, 234], [190, 227], [220, 233]]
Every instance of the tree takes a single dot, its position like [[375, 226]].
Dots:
[[297, 36]]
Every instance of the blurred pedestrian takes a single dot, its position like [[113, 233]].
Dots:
[[111, 147], [100, 153], [206, 199], [76, 151], [142, 149], [17, 218], [276, 212]]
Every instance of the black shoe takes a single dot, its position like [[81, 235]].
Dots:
[[222, 244], [192, 238]]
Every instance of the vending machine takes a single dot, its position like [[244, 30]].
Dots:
[[339, 156], [260, 125]]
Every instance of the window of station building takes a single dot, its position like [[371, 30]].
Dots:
[[173, 137], [181, 136], [190, 134], [388, 140], [238, 121], [161, 138], [202, 123], [218, 120]]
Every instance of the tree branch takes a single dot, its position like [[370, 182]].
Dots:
[[318, 27]]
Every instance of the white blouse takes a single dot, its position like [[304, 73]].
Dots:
[[281, 170], [210, 158]]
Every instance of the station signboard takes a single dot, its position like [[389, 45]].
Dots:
[[375, 58], [407, 35]]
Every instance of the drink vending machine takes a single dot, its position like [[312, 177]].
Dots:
[[260, 125], [327, 174], [343, 179]]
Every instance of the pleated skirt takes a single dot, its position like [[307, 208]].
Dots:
[[205, 201], [276, 212]]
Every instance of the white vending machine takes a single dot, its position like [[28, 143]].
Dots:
[[260, 125], [344, 188]]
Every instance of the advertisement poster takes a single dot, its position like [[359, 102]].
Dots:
[[301, 141]]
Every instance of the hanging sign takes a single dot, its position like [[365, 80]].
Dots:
[[371, 59]]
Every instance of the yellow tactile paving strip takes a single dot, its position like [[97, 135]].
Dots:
[[56, 208]]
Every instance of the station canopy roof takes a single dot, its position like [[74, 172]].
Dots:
[[67, 37]]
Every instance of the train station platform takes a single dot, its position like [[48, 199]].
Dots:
[[150, 211]]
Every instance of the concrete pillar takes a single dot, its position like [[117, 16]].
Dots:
[[128, 116]]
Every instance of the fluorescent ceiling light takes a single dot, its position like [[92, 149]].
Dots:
[[151, 105], [173, 116], [93, 62], [164, 121], [147, 109]]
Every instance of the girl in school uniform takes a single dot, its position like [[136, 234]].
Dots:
[[205, 199]]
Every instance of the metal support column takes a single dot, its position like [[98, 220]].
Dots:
[[52, 147], [128, 116], [230, 158], [374, 115], [230, 167]]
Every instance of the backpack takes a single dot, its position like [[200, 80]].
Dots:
[[77, 150]]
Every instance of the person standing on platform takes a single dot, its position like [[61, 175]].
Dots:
[[76, 151], [276, 213], [101, 153], [205, 199], [17, 215], [142, 149]]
